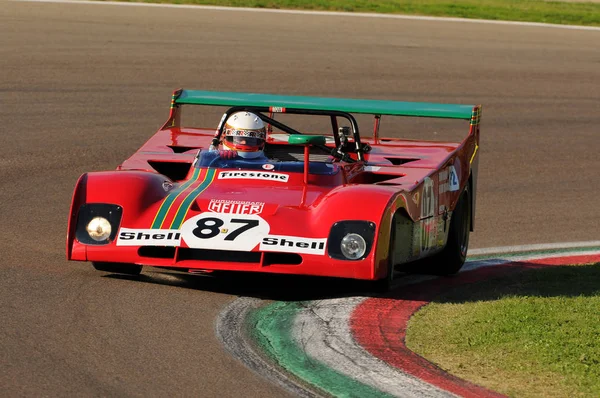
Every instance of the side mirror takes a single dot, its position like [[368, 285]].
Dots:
[[307, 141]]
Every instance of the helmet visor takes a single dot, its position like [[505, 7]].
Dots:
[[245, 143]]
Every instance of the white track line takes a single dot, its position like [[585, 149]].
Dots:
[[528, 248], [321, 13]]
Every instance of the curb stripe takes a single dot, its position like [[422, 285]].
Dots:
[[271, 330], [187, 202], [323, 331], [304, 323], [168, 201], [379, 325], [230, 329]]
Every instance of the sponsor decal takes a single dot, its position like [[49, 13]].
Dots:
[[449, 181], [416, 198], [293, 244], [235, 206], [276, 109], [426, 236], [425, 232], [254, 175], [441, 232], [428, 203], [167, 186], [353, 169], [224, 231], [443, 176], [453, 180], [233, 132], [268, 166], [148, 237]]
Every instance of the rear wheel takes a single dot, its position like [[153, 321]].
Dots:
[[118, 268]]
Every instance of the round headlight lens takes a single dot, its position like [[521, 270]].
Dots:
[[99, 229], [353, 246]]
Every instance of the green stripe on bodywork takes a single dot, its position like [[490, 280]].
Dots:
[[208, 179], [367, 106], [166, 204], [271, 327]]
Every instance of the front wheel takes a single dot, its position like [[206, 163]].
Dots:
[[118, 268], [385, 284]]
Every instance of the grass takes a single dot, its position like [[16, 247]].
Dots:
[[530, 334], [556, 12]]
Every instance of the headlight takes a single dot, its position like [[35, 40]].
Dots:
[[99, 229], [353, 246], [98, 223], [350, 240]]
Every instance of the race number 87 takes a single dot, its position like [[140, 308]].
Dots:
[[210, 227]]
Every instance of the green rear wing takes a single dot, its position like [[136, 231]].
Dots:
[[365, 106], [274, 103]]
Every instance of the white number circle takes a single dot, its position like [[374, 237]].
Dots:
[[240, 232]]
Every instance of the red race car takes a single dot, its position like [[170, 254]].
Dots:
[[259, 195]]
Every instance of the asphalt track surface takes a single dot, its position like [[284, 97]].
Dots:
[[83, 86]]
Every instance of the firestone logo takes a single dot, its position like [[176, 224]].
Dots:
[[235, 206], [254, 175]]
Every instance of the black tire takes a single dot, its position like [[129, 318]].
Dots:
[[118, 268], [385, 284], [451, 259]]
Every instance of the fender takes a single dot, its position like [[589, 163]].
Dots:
[[132, 190], [373, 203], [353, 202]]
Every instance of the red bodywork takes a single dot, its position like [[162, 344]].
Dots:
[[391, 180]]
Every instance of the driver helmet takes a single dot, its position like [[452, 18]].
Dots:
[[245, 133]]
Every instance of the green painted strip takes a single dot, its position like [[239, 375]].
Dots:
[[271, 328], [566, 252], [208, 179], [368, 106], [166, 204]]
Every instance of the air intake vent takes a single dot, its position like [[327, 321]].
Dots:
[[399, 161], [282, 258], [156, 252], [181, 149], [218, 255], [176, 171]]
